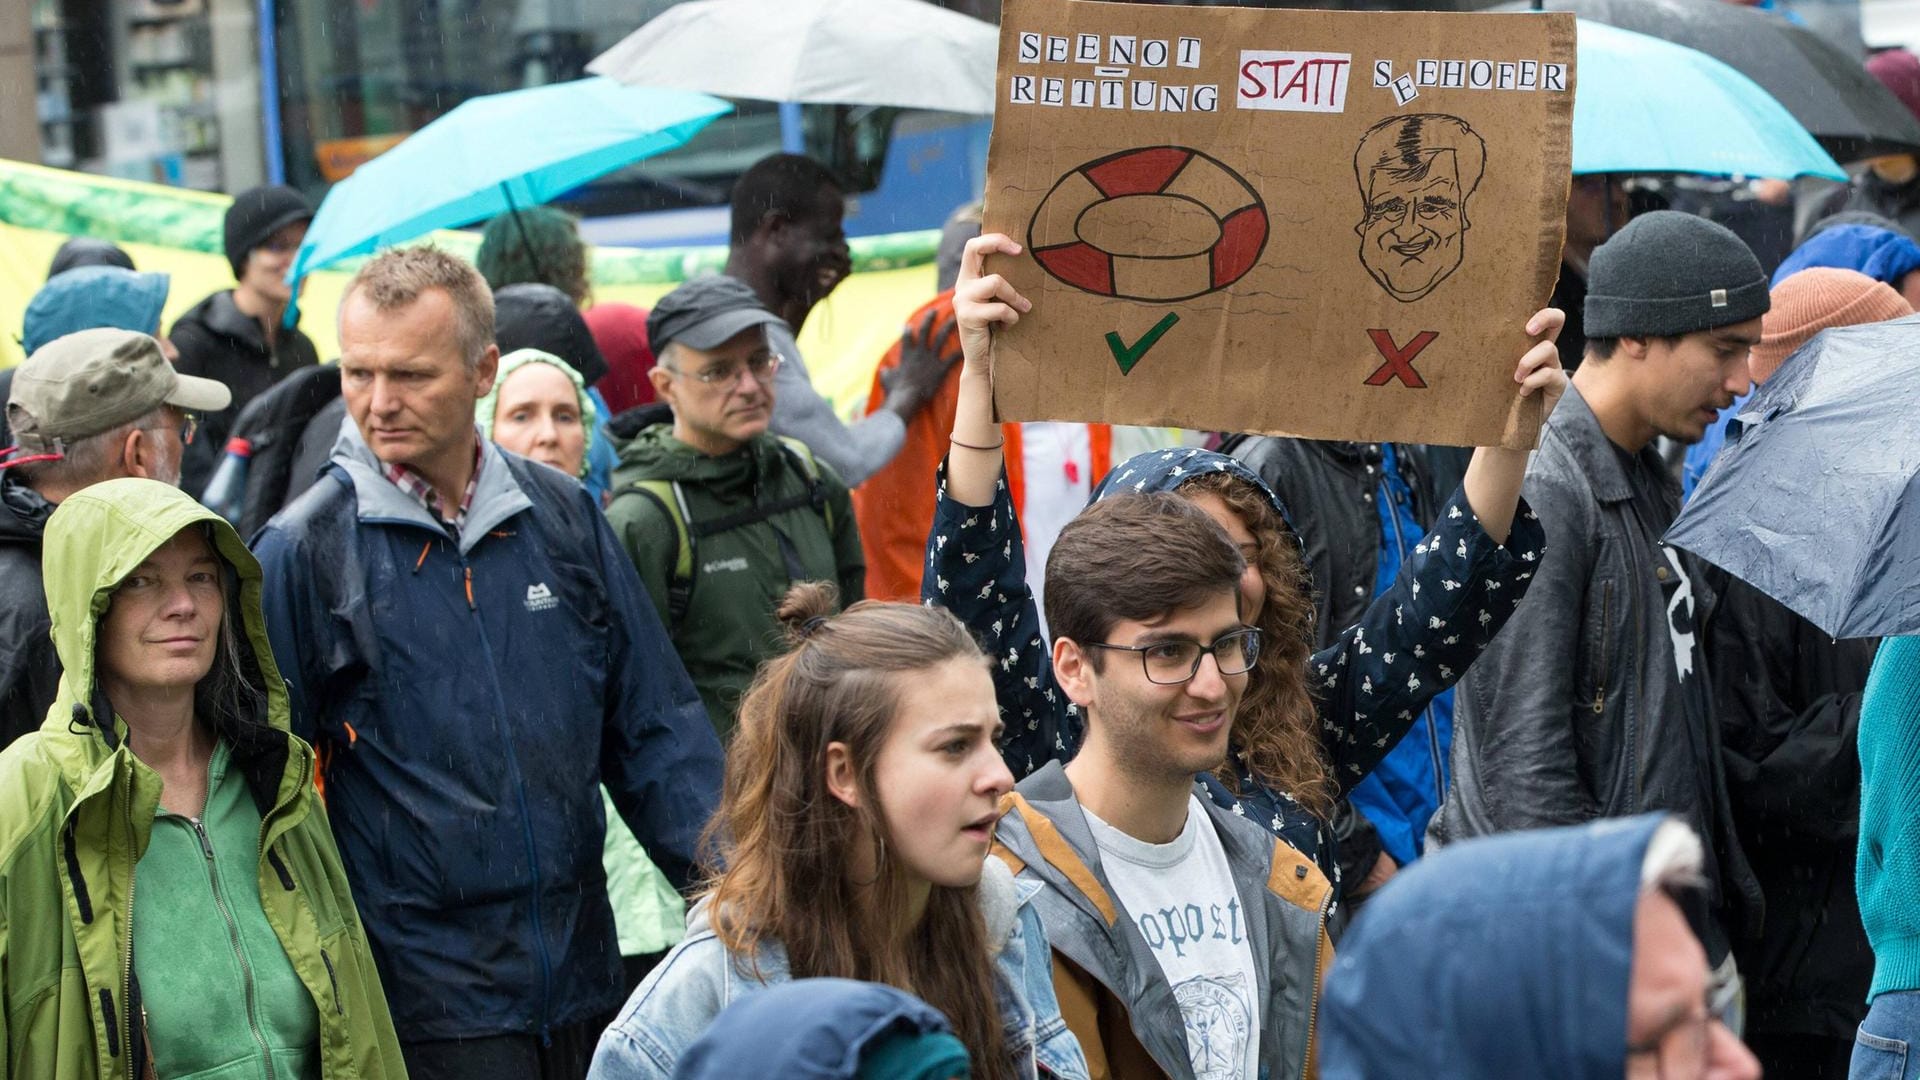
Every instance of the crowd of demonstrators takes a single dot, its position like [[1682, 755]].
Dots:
[[1559, 952], [787, 244], [950, 838], [472, 654], [1167, 761], [239, 336], [87, 407], [1314, 723], [233, 937], [862, 788], [719, 515]]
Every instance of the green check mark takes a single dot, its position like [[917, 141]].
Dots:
[[1128, 355]]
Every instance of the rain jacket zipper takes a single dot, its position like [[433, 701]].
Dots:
[[1313, 998], [526, 815], [233, 935]]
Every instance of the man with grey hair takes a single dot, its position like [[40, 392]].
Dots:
[[473, 655], [90, 406], [1552, 952]]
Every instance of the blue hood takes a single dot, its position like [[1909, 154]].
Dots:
[[94, 296], [1881, 254], [820, 1029], [1167, 470], [1493, 959]]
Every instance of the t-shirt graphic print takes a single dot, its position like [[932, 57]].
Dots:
[[1182, 897]]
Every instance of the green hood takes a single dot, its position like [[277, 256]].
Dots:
[[654, 454], [100, 535]]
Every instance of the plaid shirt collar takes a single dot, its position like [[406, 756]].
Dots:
[[406, 479]]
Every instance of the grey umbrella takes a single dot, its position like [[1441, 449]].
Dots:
[[1826, 88], [1814, 500]]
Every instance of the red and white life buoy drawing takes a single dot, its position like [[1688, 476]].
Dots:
[[1157, 223]]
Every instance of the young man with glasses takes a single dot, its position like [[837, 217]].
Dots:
[[1185, 941], [719, 515], [94, 405], [235, 335]]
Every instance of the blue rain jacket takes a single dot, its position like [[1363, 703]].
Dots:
[[1493, 959], [469, 696]]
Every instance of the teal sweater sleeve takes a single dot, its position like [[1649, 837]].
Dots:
[[1888, 864]]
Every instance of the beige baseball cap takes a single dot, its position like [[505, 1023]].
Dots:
[[94, 381]]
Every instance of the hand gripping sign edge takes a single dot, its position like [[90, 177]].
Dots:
[[1176, 172]]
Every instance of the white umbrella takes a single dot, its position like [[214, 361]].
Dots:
[[905, 53]]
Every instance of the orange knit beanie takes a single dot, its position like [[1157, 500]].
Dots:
[[1812, 300]]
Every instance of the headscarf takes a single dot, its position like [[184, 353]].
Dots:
[[589, 416], [1169, 470]]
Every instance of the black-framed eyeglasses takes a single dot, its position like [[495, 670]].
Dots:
[[189, 423], [1170, 663], [727, 376]]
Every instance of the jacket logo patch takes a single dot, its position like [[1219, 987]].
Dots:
[[734, 565], [540, 598]]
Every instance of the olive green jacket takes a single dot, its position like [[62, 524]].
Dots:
[[76, 810]]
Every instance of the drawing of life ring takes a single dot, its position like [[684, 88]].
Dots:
[[1157, 223]]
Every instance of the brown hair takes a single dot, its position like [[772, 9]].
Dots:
[[1135, 557], [396, 278], [784, 839], [1277, 728]]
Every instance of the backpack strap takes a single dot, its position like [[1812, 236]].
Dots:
[[672, 503]]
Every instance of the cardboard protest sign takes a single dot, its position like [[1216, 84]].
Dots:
[[1316, 223]]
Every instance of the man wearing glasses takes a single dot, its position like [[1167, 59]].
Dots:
[[719, 515], [94, 405], [1181, 942], [1559, 953]]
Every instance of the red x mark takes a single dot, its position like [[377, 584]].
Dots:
[[1399, 363]]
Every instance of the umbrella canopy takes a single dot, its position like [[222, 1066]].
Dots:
[[496, 153], [1827, 89], [906, 53], [1814, 500], [1647, 105]]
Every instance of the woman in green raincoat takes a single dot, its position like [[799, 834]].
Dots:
[[171, 900]]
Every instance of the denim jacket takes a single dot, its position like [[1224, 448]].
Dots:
[[698, 980]]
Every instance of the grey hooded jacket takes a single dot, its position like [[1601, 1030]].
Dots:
[[1102, 963]]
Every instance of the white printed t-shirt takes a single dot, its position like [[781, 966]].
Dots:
[[1181, 896]]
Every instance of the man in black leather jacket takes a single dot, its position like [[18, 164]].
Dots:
[[1594, 701]]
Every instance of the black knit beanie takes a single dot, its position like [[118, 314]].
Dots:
[[1668, 274], [256, 214]]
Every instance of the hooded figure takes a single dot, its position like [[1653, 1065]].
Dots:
[[535, 316], [1495, 959], [246, 903], [828, 1029], [484, 410]]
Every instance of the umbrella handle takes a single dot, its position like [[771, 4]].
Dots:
[[527, 241]]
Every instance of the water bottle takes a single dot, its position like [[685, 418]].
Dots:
[[226, 493]]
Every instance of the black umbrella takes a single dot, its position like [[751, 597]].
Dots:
[[1815, 499], [1826, 88]]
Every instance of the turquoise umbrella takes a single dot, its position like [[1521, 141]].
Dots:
[[1644, 105], [496, 154]]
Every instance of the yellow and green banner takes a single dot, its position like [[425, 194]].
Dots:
[[177, 232]]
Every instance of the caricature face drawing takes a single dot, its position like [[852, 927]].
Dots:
[[1415, 175]]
